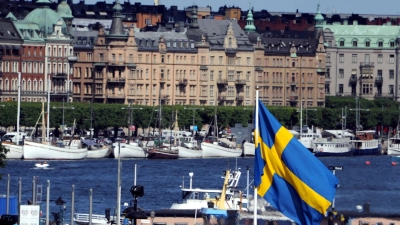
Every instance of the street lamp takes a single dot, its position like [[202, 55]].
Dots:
[[130, 108], [63, 107], [194, 109]]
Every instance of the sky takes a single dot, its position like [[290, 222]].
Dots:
[[385, 7]]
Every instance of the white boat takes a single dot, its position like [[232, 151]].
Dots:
[[9, 141], [219, 147], [41, 165], [14, 151], [188, 148], [248, 149], [307, 138], [131, 150], [365, 143], [83, 219], [332, 147], [394, 145], [67, 148], [394, 142], [226, 198], [95, 150]]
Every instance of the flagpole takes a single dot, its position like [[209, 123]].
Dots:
[[256, 141]]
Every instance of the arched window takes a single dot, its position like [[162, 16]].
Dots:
[[29, 87], [354, 42], [341, 42], [35, 87], [40, 85]]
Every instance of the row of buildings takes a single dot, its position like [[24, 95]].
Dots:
[[205, 61]]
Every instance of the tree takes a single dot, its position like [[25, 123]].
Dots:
[[3, 152]]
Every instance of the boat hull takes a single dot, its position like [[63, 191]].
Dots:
[[97, 153], [128, 151], [15, 151], [162, 154], [248, 149], [83, 219], [393, 149], [215, 150], [334, 153], [189, 153], [33, 150]]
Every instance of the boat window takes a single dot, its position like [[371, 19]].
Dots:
[[159, 223], [180, 223], [196, 195]]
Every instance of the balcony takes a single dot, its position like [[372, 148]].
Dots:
[[116, 64], [59, 75], [116, 80], [239, 98], [221, 97], [384, 95], [293, 83], [116, 96], [100, 64], [353, 80], [222, 82], [163, 80], [379, 80], [60, 93], [72, 59], [183, 82], [165, 97], [258, 68], [240, 82], [366, 64], [293, 99]]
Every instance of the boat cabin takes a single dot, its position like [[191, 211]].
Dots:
[[365, 135]]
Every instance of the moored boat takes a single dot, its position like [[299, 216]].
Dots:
[[229, 197], [42, 165], [188, 148], [222, 147], [162, 152], [394, 145], [365, 143], [131, 150], [332, 147], [95, 150], [9, 141], [248, 149]]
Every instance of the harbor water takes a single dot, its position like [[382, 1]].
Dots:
[[376, 182]]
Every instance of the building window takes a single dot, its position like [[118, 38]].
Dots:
[[380, 58], [367, 44], [101, 56], [391, 74], [341, 73], [328, 58], [341, 58], [354, 43], [354, 58], [392, 44], [340, 88], [341, 43], [379, 72], [148, 22], [380, 43], [391, 89], [212, 60], [391, 59]]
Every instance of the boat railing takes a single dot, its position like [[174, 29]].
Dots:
[[85, 217]]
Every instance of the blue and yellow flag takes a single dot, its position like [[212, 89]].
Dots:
[[287, 175]]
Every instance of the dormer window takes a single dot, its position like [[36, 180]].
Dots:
[[367, 43], [174, 44], [168, 44], [380, 43], [192, 45], [341, 43], [354, 43], [392, 45]]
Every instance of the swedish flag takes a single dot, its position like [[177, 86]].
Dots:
[[287, 175]]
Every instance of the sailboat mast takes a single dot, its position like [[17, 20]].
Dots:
[[301, 117], [215, 119], [48, 108], [43, 124], [19, 105]]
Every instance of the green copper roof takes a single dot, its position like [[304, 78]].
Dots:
[[363, 34], [249, 22], [64, 10], [117, 6], [318, 17], [11, 16], [28, 31], [46, 18]]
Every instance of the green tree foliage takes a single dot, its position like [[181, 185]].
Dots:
[[381, 112]]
